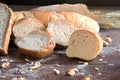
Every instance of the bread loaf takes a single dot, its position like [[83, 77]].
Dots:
[[78, 8], [81, 21], [84, 44], [36, 44], [43, 16], [61, 31], [6, 21], [25, 26]]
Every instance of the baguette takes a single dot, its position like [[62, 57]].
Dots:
[[6, 21], [84, 44], [78, 8], [81, 21]]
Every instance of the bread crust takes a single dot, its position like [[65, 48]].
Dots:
[[45, 51], [4, 50], [43, 16], [79, 8], [81, 21]]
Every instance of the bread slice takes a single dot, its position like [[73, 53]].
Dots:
[[36, 44], [61, 31], [84, 44], [25, 26], [81, 21], [6, 20], [43, 16], [78, 8]]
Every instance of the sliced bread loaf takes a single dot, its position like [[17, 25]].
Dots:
[[81, 21], [61, 31], [84, 44], [6, 20], [36, 44], [43, 16], [25, 26]]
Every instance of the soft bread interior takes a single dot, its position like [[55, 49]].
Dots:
[[4, 22], [26, 26], [84, 44], [61, 31], [33, 41]]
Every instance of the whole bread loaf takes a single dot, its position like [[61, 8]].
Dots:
[[6, 21], [84, 44], [37, 44]]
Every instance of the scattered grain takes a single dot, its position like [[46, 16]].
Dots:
[[108, 39], [57, 65], [99, 73], [87, 78], [21, 78], [27, 60], [75, 69], [56, 71], [36, 66], [5, 65], [85, 63], [96, 68], [2, 76], [71, 72], [100, 60], [14, 79], [111, 64], [80, 62], [105, 43], [22, 72]]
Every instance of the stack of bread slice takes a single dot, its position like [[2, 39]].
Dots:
[[37, 31]]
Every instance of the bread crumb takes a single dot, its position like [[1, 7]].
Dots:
[[57, 65], [85, 63], [111, 64], [14, 79], [100, 60], [21, 78], [87, 78], [99, 73], [5, 65], [96, 68], [56, 71], [108, 39], [75, 69], [22, 72], [80, 62], [36, 66], [118, 50], [71, 72], [105, 43], [2, 76], [27, 60]]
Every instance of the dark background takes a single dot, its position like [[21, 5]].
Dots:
[[49, 2]]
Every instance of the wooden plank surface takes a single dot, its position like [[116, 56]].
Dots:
[[109, 68]]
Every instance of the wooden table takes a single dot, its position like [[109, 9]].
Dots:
[[108, 62]]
